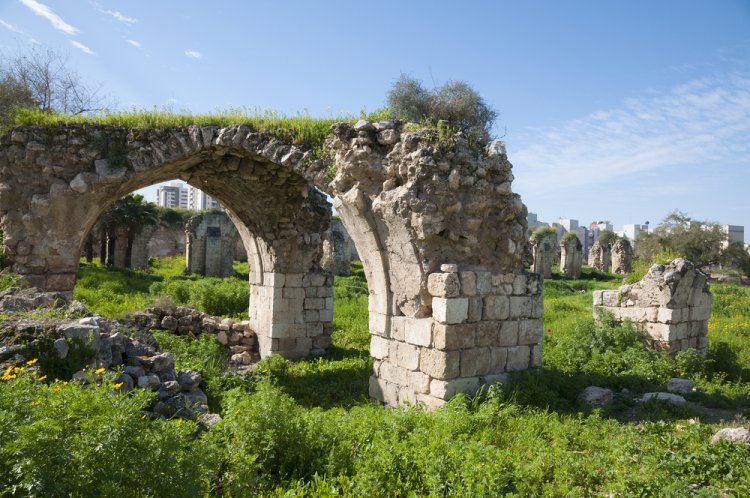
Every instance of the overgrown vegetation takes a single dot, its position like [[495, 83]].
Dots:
[[307, 428]]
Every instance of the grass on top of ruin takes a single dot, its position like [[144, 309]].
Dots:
[[301, 129]]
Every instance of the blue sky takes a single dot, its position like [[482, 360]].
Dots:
[[610, 110]]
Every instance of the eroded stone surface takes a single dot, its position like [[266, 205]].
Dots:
[[571, 256], [622, 257], [209, 244]]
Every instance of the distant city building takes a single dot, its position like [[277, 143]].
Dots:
[[735, 233], [180, 195], [568, 224], [533, 222], [632, 231]]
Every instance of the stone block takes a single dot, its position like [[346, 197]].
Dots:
[[378, 324], [430, 402], [450, 310], [324, 291], [487, 333], [443, 284], [498, 360], [500, 378], [496, 308], [321, 342], [698, 313], [598, 297], [519, 358], [536, 356], [405, 355], [326, 315], [384, 391], [313, 329], [537, 306], [475, 309], [666, 315], [530, 332], [419, 382], [484, 283], [379, 347], [418, 331], [407, 396], [286, 330], [293, 279], [520, 307], [475, 362], [293, 292], [274, 279], [611, 298], [396, 374], [440, 364], [520, 284], [447, 389], [311, 316], [314, 303], [452, 337], [508, 334], [468, 283]]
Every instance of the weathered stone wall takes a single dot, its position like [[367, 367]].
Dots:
[[168, 239], [337, 249], [543, 252], [571, 256], [139, 250], [622, 257], [209, 245], [672, 304], [600, 256]]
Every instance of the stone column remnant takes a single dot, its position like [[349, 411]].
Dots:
[[337, 250], [543, 252], [571, 255], [672, 304], [600, 256], [209, 245], [622, 257]]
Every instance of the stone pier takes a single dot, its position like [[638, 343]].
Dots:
[[600, 256], [571, 255], [622, 257], [209, 245]]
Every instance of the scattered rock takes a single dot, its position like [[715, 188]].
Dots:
[[61, 348], [189, 380], [735, 435], [675, 399], [679, 386], [597, 397]]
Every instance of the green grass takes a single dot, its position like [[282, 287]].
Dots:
[[307, 428], [301, 129]]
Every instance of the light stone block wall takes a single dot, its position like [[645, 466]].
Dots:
[[571, 257], [483, 325], [292, 313], [671, 304], [209, 245]]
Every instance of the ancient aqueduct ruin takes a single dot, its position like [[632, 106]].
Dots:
[[440, 233]]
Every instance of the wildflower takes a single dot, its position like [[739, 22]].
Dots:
[[41, 378], [34, 403], [117, 386], [7, 376], [32, 362], [17, 370], [100, 371]]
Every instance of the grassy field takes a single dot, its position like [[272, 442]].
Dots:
[[307, 428]]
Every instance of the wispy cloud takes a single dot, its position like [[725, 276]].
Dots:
[[83, 48], [135, 43], [193, 54], [44, 11], [702, 122], [119, 16], [10, 27]]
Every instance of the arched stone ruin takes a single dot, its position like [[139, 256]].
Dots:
[[439, 231], [622, 257], [338, 252], [600, 256], [543, 252], [209, 244]]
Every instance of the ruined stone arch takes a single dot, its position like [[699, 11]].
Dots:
[[439, 231]]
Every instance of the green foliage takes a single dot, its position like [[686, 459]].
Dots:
[[65, 439], [641, 266], [608, 238], [215, 296], [541, 232], [454, 105], [567, 236]]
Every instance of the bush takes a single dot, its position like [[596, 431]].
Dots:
[[215, 296], [456, 103]]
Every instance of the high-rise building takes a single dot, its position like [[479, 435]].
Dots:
[[735, 233], [174, 195], [199, 200]]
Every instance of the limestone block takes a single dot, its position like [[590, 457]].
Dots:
[[321, 342], [452, 337], [611, 298], [378, 324], [520, 283], [699, 313], [379, 347], [598, 298], [666, 315], [315, 329], [483, 283], [475, 362], [447, 389], [293, 292], [530, 332], [274, 279], [315, 303], [430, 402], [450, 310], [287, 330], [449, 268], [487, 333], [418, 331], [396, 374], [383, 391], [520, 307], [293, 279], [500, 378], [519, 358], [679, 386], [537, 306], [536, 356], [475, 309], [468, 283], [326, 315], [443, 284], [440, 364], [508, 334], [407, 396], [405, 355], [496, 308], [498, 360], [419, 382]]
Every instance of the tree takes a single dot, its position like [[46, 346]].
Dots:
[[455, 102], [130, 212], [42, 79], [701, 242]]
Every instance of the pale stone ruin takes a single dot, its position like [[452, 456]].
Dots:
[[209, 245], [571, 255], [423, 217], [543, 252], [622, 257], [672, 304], [338, 249], [600, 256]]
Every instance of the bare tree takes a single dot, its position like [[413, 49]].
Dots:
[[50, 84]]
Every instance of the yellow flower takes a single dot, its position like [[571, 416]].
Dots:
[[41, 378], [117, 386], [32, 362], [100, 371], [34, 403], [7, 376], [18, 370]]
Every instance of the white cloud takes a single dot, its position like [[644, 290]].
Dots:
[[10, 27], [44, 11], [193, 54], [136, 44], [703, 122], [83, 48], [120, 17]]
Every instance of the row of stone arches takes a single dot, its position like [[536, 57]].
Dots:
[[437, 227]]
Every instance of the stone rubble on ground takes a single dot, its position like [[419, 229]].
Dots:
[[597, 397], [679, 386], [735, 435]]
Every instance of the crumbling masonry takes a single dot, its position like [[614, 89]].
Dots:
[[439, 231]]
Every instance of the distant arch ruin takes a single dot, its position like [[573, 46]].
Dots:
[[439, 231]]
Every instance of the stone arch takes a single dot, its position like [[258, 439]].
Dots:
[[439, 231]]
